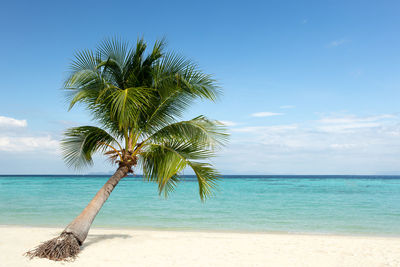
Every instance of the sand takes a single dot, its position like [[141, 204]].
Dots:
[[128, 247]]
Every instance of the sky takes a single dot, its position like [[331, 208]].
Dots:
[[309, 87]]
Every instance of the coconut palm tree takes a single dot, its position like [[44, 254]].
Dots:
[[136, 101]]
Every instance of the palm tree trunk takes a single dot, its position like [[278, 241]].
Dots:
[[66, 246], [80, 226]]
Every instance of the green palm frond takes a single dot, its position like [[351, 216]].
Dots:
[[207, 133], [199, 84], [178, 83], [86, 86], [115, 49], [80, 143], [133, 68], [156, 54], [166, 73], [126, 105], [111, 71], [162, 166], [162, 163], [84, 60], [207, 178], [167, 111], [177, 71]]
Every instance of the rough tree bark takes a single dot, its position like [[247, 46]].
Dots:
[[66, 246], [80, 226]]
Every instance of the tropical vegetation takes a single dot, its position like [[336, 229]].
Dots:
[[137, 102]]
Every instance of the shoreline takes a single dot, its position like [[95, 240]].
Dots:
[[129, 247], [190, 230]]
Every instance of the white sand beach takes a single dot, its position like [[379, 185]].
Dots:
[[128, 247]]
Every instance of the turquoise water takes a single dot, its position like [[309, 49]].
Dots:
[[317, 204]]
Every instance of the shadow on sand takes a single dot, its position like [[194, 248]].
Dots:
[[92, 239]]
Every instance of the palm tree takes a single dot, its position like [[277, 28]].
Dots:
[[136, 101]]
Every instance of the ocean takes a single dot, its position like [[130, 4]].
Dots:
[[357, 205]]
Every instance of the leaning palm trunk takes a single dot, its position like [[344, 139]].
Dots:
[[67, 245]]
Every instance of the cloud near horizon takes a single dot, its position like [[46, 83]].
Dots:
[[350, 123], [15, 137], [6, 122], [228, 123], [287, 106], [335, 144], [330, 145], [265, 114]]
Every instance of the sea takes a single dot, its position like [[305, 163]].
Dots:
[[335, 204]]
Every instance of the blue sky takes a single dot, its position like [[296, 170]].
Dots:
[[310, 87]]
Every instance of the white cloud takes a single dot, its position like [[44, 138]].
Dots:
[[6, 122], [336, 43], [355, 119], [343, 146], [265, 114], [264, 129], [346, 123], [28, 144], [15, 137], [347, 127], [330, 145], [287, 106], [228, 123]]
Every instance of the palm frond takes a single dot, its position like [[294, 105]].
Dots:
[[178, 83], [167, 111], [162, 163], [177, 70], [162, 166], [200, 130], [199, 84], [86, 86], [111, 71], [156, 53], [80, 143], [207, 178], [114, 48], [125, 106], [133, 65], [84, 60], [165, 73]]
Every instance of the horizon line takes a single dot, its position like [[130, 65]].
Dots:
[[132, 176]]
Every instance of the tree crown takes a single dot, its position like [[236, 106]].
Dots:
[[138, 100]]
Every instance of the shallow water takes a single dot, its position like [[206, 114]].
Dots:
[[308, 204]]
